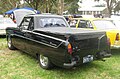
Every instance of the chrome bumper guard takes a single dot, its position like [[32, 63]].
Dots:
[[107, 55], [70, 64]]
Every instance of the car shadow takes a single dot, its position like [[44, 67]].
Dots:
[[88, 67], [115, 52], [2, 36], [82, 67]]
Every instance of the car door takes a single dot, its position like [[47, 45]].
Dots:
[[30, 43], [20, 34]]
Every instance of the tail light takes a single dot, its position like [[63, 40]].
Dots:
[[70, 48], [117, 37], [108, 41], [14, 21]]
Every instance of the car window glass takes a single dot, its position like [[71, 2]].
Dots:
[[52, 22], [89, 25], [117, 23], [104, 24], [85, 24], [31, 25], [25, 23], [82, 24]]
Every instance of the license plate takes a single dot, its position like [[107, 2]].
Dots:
[[87, 58]]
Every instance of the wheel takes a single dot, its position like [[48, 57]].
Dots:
[[9, 43], [44, 62]]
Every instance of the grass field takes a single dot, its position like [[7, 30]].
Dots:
[[18, 65]]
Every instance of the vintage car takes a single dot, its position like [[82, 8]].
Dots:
[[4, 23], [99, 24], [50, 39]]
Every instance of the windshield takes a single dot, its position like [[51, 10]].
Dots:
[[52, 22], [104, 24]]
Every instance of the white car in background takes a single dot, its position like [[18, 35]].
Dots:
[[4, 23]]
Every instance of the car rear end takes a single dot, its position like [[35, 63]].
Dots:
[[86, 47]]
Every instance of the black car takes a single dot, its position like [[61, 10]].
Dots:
[[50, 39]]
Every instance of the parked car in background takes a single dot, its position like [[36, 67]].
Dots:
[[4, 23], [1, 16], [100, 24], [50, 39]]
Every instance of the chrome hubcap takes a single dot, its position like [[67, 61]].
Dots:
[[9, 42], [43, 60]]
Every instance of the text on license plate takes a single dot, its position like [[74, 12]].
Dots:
[[87, 58]]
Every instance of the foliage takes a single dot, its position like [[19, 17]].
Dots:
[[6, 5], [42, 5], [34, 3], [111, 4], [18, 65], [71, 6], [117, 7], [53, 5], [74, 8], [48, 6]]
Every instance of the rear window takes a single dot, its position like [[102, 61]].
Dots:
[[51, 22], [85, 24], [104, 24]]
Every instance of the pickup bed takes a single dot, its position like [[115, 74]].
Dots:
[[53, 42]]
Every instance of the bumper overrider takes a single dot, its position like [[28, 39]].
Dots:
[[103, 54], [116, 45], [74, 61], [70, 64]]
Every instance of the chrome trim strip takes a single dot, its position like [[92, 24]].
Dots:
[[45, 35], [101, 37], [38, 41], [99, 41]]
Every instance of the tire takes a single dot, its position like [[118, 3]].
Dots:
[[44, 62], [9, 43]]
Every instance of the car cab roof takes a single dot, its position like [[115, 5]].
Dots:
[[44, 15], [91, 19]]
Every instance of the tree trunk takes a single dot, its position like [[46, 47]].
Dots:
[[60, 7], [109, 12]]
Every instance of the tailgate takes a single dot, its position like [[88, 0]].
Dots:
[[88, 41]]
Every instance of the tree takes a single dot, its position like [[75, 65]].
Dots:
[[33, 3], [8, 5], [111, 5], [43, 5], [117, 7], [53, 6], [60, 6], [72, 6]]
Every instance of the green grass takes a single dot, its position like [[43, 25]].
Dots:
[[18, 65]]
